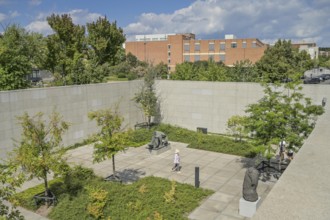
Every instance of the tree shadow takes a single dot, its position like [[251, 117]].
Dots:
[[130, 175], [270, 170]]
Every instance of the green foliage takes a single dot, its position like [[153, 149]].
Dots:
[[16, 54], [243, 71], [210, 142], [105, 39], [146, 96], [25, 198], [122, 201], [39, 148], [65, 46], [281, 62], [9, 181], [170, 195], [236, 126], [97, 201], [200, 71], [283, 113], [74, 179], [110, 139]]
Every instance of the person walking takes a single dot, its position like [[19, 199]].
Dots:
[[176, 161], [282, 149]]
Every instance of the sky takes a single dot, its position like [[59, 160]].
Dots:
[[267, 20]]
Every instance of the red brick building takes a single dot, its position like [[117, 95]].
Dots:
[[173, 49]]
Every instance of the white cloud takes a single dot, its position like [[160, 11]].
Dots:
[[78, 16], [281, 19], [40, 27]]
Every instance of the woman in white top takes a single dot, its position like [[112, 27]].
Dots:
[[176, 161]]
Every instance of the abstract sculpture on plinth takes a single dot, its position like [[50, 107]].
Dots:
[[159, 140], [250, 184]]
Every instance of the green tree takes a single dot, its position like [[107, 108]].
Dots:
[[15, 56], [146, 96], [243, 71], [236, 126], [106, 40], [283, 113], [39, 148], [281, 62], [10, 179], [212, 71], [66, 45], [184, 71], [111, 139]]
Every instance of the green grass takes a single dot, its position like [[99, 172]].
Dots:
[[123, 201], [209, 142], [115, 78]]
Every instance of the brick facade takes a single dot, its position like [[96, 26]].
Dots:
[[177, 48]]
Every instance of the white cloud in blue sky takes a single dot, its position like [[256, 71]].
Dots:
[[267, 20]]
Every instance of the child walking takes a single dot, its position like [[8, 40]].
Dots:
[[176, 161]]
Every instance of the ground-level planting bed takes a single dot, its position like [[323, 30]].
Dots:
[[209, 142], [150, 197]]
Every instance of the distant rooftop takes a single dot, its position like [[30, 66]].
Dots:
[[152, 37]]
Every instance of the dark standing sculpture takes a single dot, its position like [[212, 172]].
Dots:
[[250, 184], [159, 140]]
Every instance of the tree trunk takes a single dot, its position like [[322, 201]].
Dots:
[[149, 121], [113, 166], [46, 183]]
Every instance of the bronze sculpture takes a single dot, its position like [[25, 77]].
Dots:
[[250, 184], [159, 140]]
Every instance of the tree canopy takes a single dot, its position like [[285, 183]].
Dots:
[[111, 139], [282, 62], [16, 53], [283, 113], [38, 151]]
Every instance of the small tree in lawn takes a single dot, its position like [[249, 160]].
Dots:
[[39, 151], [146, 97], [110, 139]]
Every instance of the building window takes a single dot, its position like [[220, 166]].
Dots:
[[233, 45], [169, 47], [222, 46], [244, 44], [254, 44], [168, 60], [222, 57], [211, 46], [186, 58], [197, 58], [211, 57], [168, 54], [186, 47], [197, 47]]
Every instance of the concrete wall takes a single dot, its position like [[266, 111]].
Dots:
[[72, 102], [205, 104], [185, 103]]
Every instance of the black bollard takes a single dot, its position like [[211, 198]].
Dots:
[[197, 177]]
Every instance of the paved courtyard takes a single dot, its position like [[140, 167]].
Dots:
[[222, 173]]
